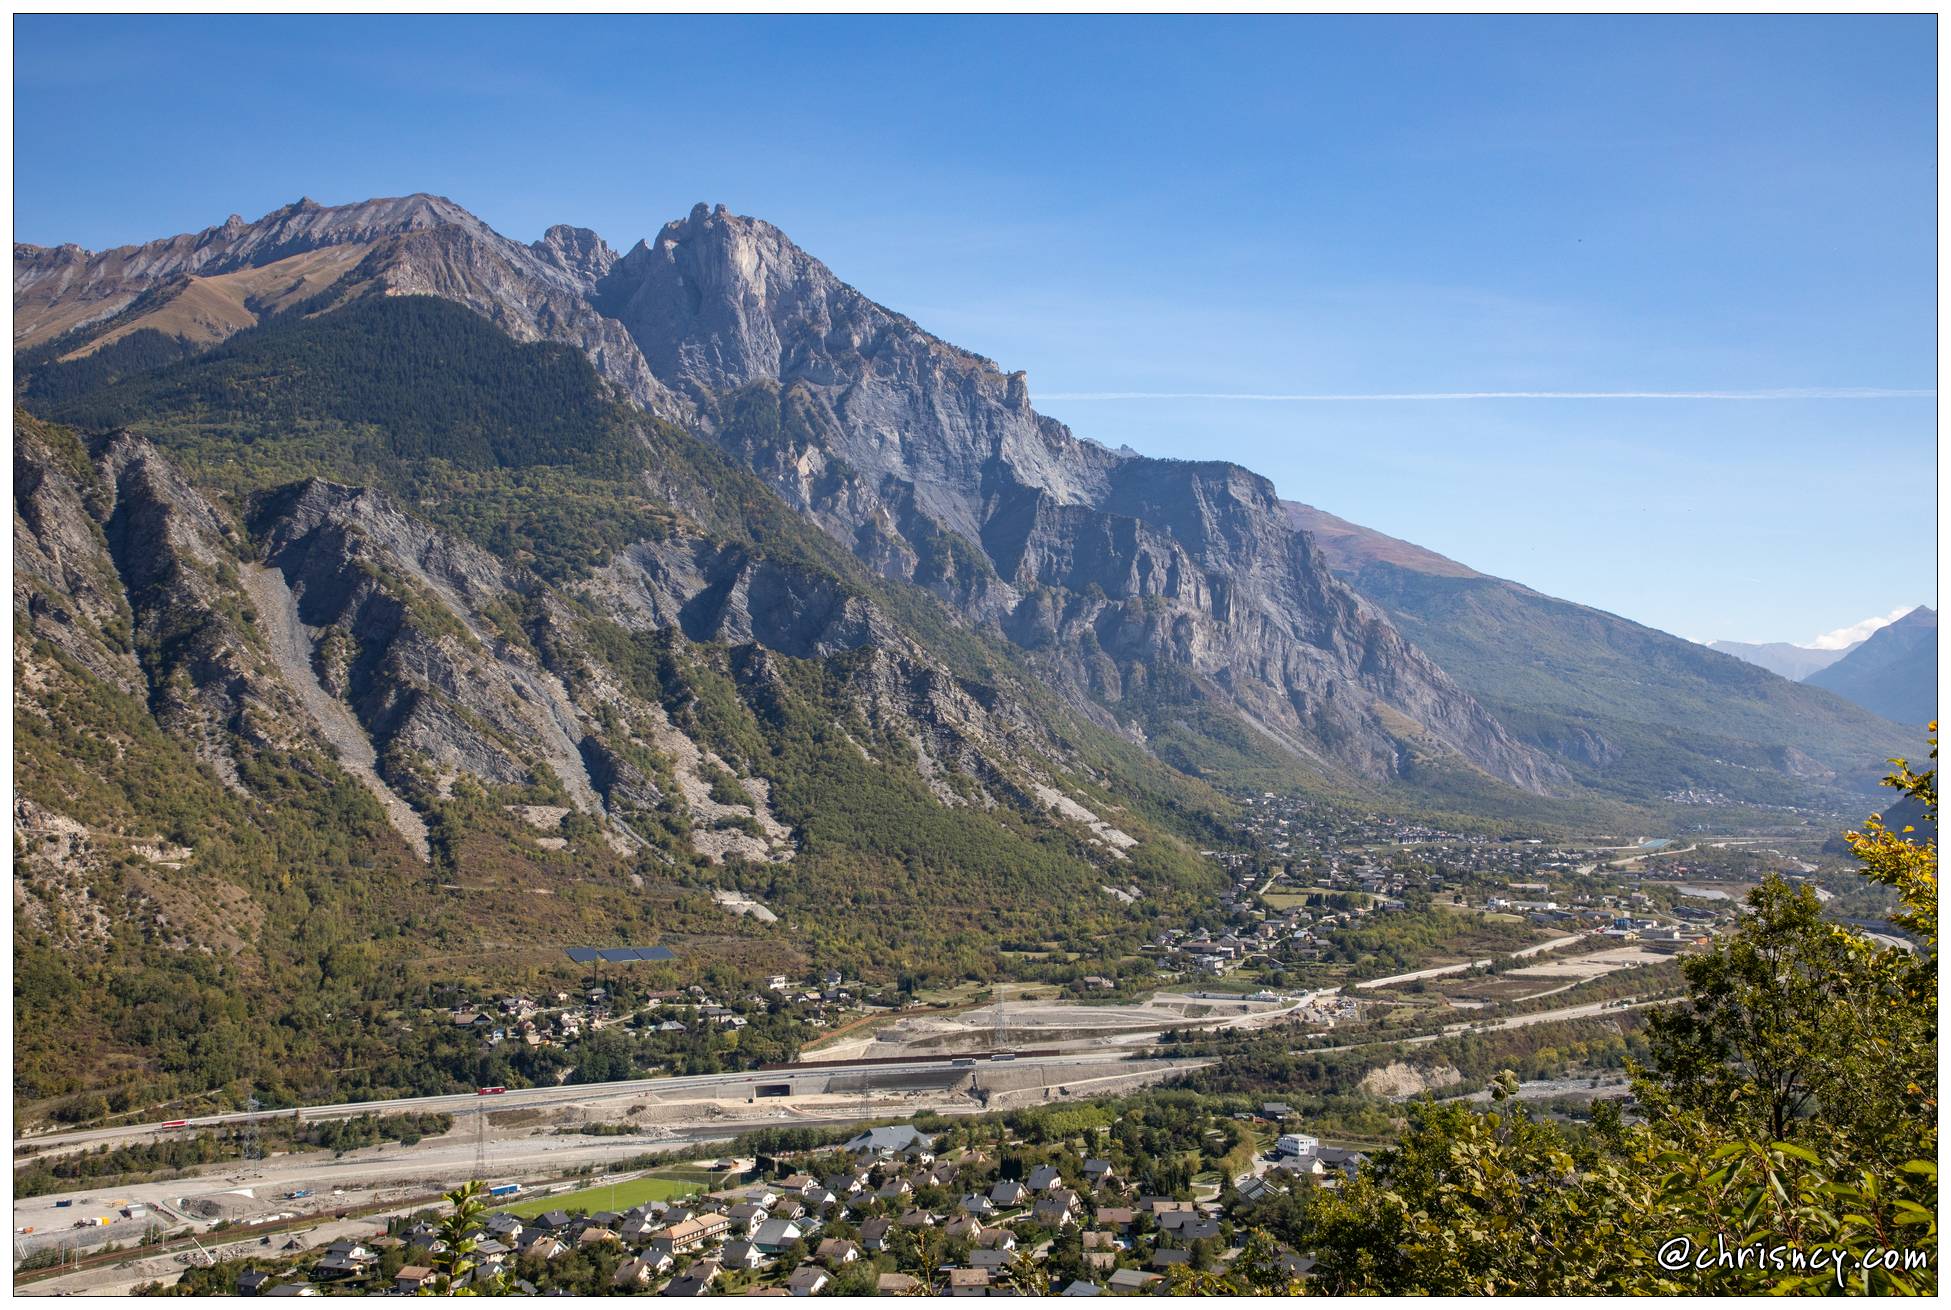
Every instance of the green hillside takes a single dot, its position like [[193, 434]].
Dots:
[[1633, 712], [1893, 673], [292, 945]]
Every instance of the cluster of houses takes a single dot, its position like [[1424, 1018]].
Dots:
[[1257, 932], [795, 1234], [1297, 845], [1628, 917], [562, 1018], [1313, 845]]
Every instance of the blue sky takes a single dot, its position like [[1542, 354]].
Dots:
[[1214, 207]]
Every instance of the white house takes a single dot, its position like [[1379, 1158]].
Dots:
[[1297, 1144]]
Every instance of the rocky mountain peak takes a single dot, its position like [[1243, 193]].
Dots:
[[720, 298], [53, 296], [577, 251]]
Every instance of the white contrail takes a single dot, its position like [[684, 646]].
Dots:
[[1789, 393]]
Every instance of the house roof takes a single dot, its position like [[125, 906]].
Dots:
[[892, 1137]]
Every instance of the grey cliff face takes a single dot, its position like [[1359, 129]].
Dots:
[[931, 464], [718, 303], [67, 592], [577, 251]]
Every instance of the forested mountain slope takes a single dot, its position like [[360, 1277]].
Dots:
[[1628, 709], [327, 680], [1893, 672]]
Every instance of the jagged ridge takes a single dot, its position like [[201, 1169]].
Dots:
[[925, 460]]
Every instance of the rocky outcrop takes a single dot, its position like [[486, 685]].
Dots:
[[720, 593], [441, 692], [211, 679], [66, 590], [718, 302], [294, 648], [528, 297], [577, 251], [332, 621]]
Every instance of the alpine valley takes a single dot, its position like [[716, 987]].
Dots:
[[397, 603]]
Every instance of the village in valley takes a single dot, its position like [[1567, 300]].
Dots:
[[1117, 1131], [1087, 1133], [1082, 1200]]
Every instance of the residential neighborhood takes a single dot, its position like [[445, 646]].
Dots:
[[998, 1206]]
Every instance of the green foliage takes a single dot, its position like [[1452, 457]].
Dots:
[[431, 377], [460, 1234], [1791, 1114], [516, 447], [1903, 859], [1791, 1025], [881, 860], [1387, 944], [48, 385]]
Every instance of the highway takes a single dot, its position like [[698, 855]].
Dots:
[[720, 1086], [1444, 970], [688, 1111], [666, 1114]]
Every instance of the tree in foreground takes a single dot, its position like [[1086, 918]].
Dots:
[[459, 1235], [1791, 1113]]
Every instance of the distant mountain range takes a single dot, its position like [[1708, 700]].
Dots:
[[1791, 661], [1893, 672], [1154, 594]]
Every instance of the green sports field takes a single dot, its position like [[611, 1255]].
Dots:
[[620, 1197]]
